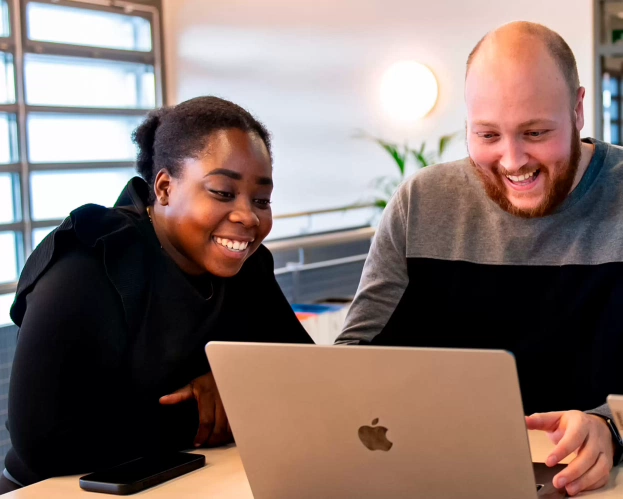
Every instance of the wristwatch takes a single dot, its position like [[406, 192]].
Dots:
[[618, 441]]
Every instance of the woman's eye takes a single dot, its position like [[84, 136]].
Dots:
[[223, 194], [264, 203]]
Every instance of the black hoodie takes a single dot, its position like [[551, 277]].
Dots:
[[108, 325]]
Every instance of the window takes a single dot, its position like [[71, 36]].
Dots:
[[7, 198], [75, 81], [64, 138], [76, 78], [54, 194], [8, 257], [5, 25], [78, 26], [5, 305], [609, 67], [7, 79], [38, 235], [8, 138]]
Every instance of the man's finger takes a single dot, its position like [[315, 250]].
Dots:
[[574, 437], [547, 421], [178, 396], [585, 460], [593, 477]]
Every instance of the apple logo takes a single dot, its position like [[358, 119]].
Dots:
[[374, 438]]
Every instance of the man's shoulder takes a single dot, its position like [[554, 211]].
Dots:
[[613, 159], [439, 177]]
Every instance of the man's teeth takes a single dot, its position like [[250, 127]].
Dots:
[[231, 244], [521, 178]]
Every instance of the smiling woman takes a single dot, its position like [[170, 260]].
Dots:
[[117, 304]]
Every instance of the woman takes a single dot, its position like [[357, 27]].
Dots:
[[116, 305]]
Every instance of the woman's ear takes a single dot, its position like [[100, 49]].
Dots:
[[162, 186]]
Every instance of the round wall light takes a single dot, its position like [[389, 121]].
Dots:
[[408, 90]]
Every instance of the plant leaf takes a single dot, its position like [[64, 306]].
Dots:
[[399, 158], [444, 141], [421, 159], [393, 151], [380, 203]]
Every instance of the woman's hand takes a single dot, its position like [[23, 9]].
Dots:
[[214, 428]]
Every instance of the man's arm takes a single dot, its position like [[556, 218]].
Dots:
[[384, 278], [604, 412], [589, 437]]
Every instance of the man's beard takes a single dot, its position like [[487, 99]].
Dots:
[[559, 186]]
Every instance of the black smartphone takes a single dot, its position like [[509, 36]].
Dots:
[[142, 473]]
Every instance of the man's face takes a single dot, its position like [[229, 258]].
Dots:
[[523, 130]]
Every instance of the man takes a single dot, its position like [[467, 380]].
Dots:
[[519, 247]]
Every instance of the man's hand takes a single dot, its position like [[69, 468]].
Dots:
[[214, 428], [585, 434]]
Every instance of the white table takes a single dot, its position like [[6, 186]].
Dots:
[[223, 477]]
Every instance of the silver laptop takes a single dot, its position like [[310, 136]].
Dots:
[[365, 422]]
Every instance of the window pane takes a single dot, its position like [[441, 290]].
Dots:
[[60, 24], [8, 257], [38, 235], [8, 138], [5, 306], [71, 138], [5, 25], [7, 202], [612, 22], [7, 79], [55, 194], [74, 81]]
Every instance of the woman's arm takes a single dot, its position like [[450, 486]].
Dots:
[[68, 409]]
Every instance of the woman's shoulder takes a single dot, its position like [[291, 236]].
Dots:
[[92, 238]]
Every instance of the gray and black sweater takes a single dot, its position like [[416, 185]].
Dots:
[[449, 268]]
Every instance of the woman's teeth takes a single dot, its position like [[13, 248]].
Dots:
[[231, 244]]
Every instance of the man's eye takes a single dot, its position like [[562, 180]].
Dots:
[[487, 135]]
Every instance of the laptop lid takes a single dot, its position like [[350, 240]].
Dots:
[[375, 422]]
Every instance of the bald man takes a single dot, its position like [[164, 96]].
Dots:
[[517, 247]]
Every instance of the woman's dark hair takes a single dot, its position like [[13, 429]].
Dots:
[[170, 135]]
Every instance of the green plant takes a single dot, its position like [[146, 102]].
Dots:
[[385, 186]]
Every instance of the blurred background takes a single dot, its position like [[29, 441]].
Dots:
[[357, 94]]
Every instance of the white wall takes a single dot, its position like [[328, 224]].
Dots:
[[311, 71]]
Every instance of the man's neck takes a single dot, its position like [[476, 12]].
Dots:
[[585, 159]]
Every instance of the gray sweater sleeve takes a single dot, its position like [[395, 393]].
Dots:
[[384, 277], [605, 412]]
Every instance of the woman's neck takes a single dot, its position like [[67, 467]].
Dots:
[[181, 260]]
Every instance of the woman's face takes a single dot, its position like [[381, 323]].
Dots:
[[216, 212]]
